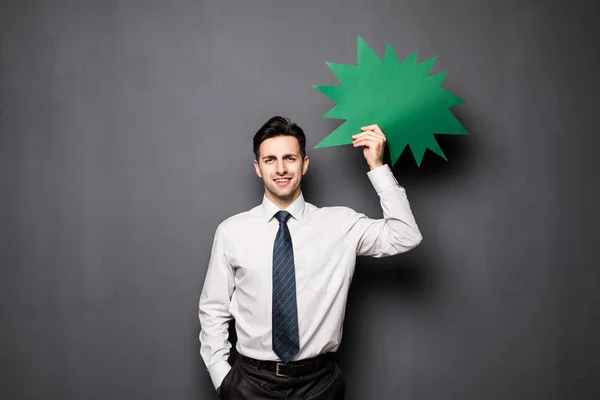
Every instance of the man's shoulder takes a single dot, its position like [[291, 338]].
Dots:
[[341, 211]]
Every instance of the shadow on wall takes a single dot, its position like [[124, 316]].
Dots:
[[457, 148], [405, 277]]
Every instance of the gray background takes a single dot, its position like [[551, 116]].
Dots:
[[125, 138]]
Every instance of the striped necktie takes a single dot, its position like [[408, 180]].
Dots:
[[286, 341]]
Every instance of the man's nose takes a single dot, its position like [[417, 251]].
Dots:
[[281, 167]]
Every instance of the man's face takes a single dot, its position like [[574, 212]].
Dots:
[[281, 168]]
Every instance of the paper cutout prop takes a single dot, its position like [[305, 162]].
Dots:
[[406, 102]]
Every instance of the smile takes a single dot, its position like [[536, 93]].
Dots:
[[282, 181]]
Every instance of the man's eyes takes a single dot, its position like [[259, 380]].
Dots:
[[270, 160]]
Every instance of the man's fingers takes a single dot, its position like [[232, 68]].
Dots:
[[370, 127], [375, 128], [360, 142], [357, 135], [372, 134], [370, 138], [371, 143]]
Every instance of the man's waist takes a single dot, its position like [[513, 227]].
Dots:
[[291, 368]]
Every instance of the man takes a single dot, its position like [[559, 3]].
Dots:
[[282, 270]]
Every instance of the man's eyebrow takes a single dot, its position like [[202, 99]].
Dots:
[[284, 156]]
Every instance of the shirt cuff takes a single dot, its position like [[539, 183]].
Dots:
[[382, 178], [218, 372]]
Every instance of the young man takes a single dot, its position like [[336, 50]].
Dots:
[[282, 270]]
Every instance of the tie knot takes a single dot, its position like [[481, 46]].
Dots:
[[282, 216]]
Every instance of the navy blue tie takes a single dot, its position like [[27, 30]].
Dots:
[[286, 341]]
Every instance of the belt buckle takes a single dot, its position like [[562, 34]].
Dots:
[[277, 370]]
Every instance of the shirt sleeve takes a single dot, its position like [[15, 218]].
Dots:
[[396, 232], [213, 311]]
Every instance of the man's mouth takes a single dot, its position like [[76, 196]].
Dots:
[[282, 181]]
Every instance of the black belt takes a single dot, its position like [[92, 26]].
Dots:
[[292, 368]]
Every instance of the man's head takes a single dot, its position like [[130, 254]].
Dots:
[[281, 161]]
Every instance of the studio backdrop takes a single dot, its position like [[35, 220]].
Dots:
[[126, 138]]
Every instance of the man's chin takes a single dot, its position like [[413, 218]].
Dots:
[[283, 195]]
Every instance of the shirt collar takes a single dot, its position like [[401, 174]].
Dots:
[[296, 209]]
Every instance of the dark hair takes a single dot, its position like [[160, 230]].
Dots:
[[279, 126]]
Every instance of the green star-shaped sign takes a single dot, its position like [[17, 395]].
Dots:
[[408, 104]]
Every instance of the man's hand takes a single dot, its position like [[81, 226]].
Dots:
[[373, 141]]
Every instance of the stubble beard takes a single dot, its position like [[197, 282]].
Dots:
[[283, 197]]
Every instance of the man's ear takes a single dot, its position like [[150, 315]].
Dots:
[[305, 165], [257, 169]]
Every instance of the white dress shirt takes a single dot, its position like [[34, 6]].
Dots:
[[325, 241]]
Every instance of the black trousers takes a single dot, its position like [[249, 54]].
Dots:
[[245, 381]]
